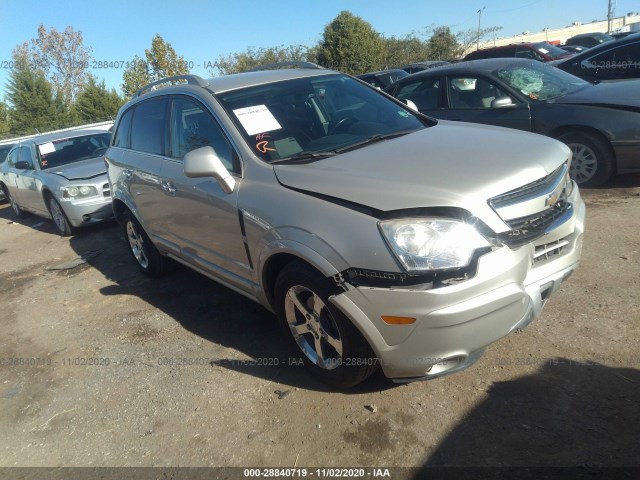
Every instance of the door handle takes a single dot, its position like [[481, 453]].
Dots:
[[169, 187]]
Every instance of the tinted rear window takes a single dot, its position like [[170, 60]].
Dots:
[[147, 129]]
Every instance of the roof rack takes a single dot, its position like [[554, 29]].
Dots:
[[295, 64], [191, 80]]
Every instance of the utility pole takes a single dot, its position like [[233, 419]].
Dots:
[[609, 15], [479, 17]]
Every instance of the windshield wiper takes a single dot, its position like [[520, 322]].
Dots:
[[373, 139], [302, 157]]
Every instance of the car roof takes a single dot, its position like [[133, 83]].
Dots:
[[591, 34], [52, 137], [250, 79], [483, 65], [381, 72]]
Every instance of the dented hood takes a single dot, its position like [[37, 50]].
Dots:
[[449, 165]]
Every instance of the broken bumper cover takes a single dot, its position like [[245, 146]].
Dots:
[[454, 323]]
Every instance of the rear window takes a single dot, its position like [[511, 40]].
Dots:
[[148, 126]]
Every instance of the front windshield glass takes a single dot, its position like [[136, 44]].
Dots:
[[74, 149], [313, 115], [550, 50], [538, 81]]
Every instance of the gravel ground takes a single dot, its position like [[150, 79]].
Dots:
[[103, 367]]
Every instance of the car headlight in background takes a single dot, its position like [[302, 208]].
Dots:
[[80, 191], [432, 244]]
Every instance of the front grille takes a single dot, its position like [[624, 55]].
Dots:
[[531, 190], [106, 190], [540, 205]]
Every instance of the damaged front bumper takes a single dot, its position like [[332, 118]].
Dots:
[[455, 323]]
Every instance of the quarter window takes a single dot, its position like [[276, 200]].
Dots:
[[148, 125]]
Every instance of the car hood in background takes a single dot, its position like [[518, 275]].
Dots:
[[449, 165], [625, 93], [85, 169]]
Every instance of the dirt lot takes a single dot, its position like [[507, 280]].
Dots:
[[102, 367]]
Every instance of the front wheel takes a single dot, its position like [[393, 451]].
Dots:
[[593, 161], [332, 348], [144, 252], [60, 220]]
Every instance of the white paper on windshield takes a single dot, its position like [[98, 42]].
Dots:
[[544, 50], [46, 148], [257, 119]]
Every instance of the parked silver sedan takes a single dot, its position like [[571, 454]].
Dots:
[[61, 176]]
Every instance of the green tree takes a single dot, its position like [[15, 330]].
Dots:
[[34, 105], [61, 57], [96, 103], [161, 61], [404, 50], [254, 57], [5, 125], [351, 45], [443, 44]]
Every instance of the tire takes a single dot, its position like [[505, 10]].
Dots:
[[17, 211], [332, 348], [144, 252], [60, 220], [593, 161]]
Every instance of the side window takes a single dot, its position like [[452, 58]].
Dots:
[[425, 93], [193, 127], [25, 155], [616, 60], [528, 53], [121, 138], [472, 92], [13, 156], [148, 125]]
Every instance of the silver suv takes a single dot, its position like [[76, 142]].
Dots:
[[379, 237]]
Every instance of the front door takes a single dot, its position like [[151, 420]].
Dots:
[[198, 216]]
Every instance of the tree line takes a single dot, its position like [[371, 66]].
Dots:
[[50, 86]]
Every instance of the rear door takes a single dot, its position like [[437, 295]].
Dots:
[[198, 215], [142, 138]]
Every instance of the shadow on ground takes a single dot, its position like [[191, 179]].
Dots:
[[567, 414], [205, 308]]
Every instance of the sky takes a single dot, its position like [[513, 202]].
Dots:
[[202, 30]]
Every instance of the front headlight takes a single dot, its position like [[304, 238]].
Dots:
[[80, 191], [431, 244]]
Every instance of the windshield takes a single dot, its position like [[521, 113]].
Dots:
[[74, 149], [550, 50], [538, 81], [313, 115]]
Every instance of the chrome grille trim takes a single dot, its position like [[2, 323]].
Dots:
[[534, 209]]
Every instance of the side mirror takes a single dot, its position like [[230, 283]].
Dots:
[[502, 102], [410, 104], [204, 162], [23, 165]]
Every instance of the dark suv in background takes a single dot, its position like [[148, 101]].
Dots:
[[589, 39], [617, 60], [541, 51]]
